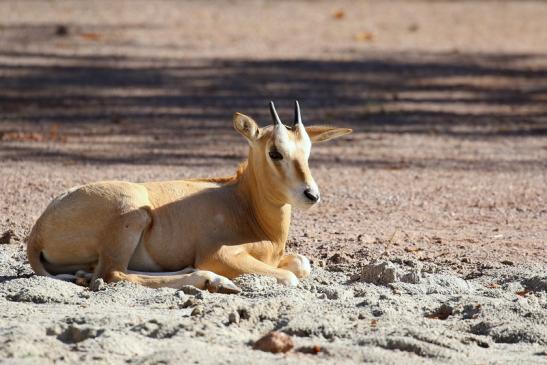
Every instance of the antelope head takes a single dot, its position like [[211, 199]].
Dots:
[[279, 154]]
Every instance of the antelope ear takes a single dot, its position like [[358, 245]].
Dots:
[[246, 126], [322, 133]]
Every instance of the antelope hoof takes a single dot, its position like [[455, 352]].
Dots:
[[297, 264], [221, 285], [304, 267], [83, 278], [289, 280]]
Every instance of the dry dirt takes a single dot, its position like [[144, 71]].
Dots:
[[444, 177]]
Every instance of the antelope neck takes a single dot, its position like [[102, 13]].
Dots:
[[271, 217]]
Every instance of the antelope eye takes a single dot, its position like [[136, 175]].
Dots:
[[275, 155]]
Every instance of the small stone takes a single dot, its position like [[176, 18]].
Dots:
[[377, 312], [7, 237], [190, 302], [313, 350], [508, 262], [197, 311], [536, 284], [202, 294], [274, 342], [442, 313], [412, 277], [379, 273], [321, 263], [321, 296], [61, 30], [413, 27], [190, 290], [54, 330], [75, 334], [244, 313], [339, 258], [334, 293], [98, 285], [233, 317]]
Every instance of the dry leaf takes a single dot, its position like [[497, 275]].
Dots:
[[413, 249], [339, 14], [23, 137], [492, 285], [437, 239], [61, 30], [364, 37], [313, 350], [53, 131], [413, 27], [373, 323], [522, 293], [90, 36], [34, 136]]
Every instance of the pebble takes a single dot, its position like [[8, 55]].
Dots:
[[190, 302], [274, 342], [197, 311], [7, 237], [233, 317], [190, 290]]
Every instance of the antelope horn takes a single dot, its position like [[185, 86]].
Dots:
[[273, 112], [297, 115]]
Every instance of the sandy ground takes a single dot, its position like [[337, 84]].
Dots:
[[447, 169], [402, 312]]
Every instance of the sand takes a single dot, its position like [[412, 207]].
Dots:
[[429, 245]]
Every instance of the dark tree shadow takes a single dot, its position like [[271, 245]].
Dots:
[[171, 110]]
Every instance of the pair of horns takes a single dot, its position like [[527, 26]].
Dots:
[[297, 116]]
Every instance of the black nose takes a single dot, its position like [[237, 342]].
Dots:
[[314, 197]]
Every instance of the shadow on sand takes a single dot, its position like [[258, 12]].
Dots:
[[172, 109]]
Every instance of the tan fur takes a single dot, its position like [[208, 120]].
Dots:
[[223, 227]]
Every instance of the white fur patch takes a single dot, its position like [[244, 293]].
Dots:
[[291, 280], [305, 265]]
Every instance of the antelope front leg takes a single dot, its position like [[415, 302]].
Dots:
[[244, 263], [297, 264]]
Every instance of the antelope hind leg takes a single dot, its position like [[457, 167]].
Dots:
[[201, 279], [120, 244]]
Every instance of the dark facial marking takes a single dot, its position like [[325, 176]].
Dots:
[[275, 155], [278, 166]]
